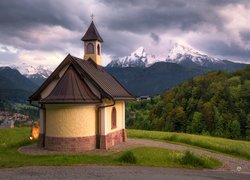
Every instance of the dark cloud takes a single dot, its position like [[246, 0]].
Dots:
[[124, 24], [155, 37], [220, 48], [245, 36], [16, 14]]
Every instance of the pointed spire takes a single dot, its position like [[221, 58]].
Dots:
[[92, 34]]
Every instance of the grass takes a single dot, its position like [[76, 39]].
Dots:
[[235, 148], [154, 156], [12, 139], [128, 157]]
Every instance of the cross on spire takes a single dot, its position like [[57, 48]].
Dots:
[[92, 16]]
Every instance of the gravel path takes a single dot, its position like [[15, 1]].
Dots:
[[230, 163], [94, 172]]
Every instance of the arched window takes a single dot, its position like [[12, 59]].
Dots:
[[98, 49], [113, 118], [90, 48]]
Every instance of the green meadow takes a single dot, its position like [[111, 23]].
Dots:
[[235, 148], [12, 139]]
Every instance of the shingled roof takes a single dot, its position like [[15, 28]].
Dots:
[[83, 82], [92, 34]]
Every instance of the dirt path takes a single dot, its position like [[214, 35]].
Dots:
[[230, 163], [94, 172]]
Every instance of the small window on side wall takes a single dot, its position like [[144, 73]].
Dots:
[[113, 118]]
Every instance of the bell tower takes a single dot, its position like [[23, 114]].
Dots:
[[92, 44]]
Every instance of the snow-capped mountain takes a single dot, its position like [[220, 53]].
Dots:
[[30, 70], [138, 58], [37, 74], [178, 54], [181, 54]]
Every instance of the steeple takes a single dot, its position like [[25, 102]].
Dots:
[[92, 44]]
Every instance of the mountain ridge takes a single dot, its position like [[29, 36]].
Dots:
[[14, 86], [178, 54]]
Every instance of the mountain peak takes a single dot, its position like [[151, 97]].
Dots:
[[30, 70], [140, 52], [182, 54], [138, 58], [181, 49]]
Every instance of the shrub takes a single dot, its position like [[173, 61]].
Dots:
[[190, 158], [128, 157]]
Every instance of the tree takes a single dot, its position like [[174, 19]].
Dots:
[[208, 116], [234, 127], [219, 123], [196, 125], [248, 127]]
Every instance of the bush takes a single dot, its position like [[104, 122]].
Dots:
[[190, 158], [128, 157]]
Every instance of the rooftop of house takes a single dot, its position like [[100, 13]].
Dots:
[[83, 82]]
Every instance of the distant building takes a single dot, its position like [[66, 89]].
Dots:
[[82, 106], [143, 98]]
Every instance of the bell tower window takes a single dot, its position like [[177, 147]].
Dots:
[[98, 49], [90, 48]]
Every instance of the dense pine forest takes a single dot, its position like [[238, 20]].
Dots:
[[217, 104]]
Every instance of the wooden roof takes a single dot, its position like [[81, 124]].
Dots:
[[83, 82], [92, 34], [71, 89]]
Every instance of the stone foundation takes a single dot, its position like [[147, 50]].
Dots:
[[40, 142], [112, 139], [74, 144], [80, 144]]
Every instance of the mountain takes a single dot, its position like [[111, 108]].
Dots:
[[154, 79], [144, 74], [138, 58], [36, 74], [190, 57], [216, 103], [14, 86], [181, 54], [178, 54]]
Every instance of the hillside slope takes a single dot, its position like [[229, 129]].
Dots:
[[216, 103], [154, 79], [14, 86]]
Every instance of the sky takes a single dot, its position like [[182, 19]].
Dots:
[[43, 32]]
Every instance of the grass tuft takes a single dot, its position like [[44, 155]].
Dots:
[[128, 157], [190, 158]]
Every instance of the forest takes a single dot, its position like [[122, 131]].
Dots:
[[216, 104]]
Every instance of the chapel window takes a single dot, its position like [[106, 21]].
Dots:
[[113, 118]]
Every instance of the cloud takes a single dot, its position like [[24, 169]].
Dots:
[[155, 37], [48, 27]]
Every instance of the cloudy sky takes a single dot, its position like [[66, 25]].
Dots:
[[45, 31]]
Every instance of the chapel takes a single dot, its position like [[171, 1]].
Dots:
[[82, 107]]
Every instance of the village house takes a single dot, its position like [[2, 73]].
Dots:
[[82, 107]]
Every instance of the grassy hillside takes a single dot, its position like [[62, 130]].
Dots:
[[12, 139], [227, 146], [216, 103]]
